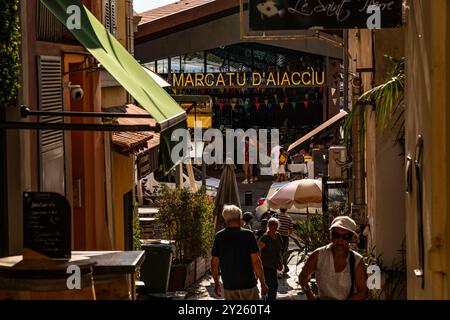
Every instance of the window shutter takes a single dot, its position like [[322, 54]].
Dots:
[[110, 16], [107, 14], [51, 142], [113, 11]]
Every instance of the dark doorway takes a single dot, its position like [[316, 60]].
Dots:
[[4, 243], [128, 220]]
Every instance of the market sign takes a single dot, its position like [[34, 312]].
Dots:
[[47, 224], [248, 79], [324, 14]]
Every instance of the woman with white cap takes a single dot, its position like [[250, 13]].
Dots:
[[340, 272]]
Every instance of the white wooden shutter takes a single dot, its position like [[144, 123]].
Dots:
[[51, 142]]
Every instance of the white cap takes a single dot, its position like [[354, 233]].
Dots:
[[344, 222]]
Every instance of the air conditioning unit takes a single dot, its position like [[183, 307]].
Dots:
[[337, 160]]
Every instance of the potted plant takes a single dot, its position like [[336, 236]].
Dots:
[[187, 219], [308, 235]]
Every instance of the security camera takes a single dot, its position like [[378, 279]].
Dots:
[[77, 93]]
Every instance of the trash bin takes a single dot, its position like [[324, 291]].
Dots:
[[248, 198], [155, 270]]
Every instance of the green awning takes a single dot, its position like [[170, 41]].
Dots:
[[119, 63]]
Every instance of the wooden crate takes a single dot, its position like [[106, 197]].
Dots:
[[202, 266], [190, 274]]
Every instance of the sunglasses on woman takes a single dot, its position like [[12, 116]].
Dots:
[[344, 236]]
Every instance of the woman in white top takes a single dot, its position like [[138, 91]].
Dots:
[[332, 266]]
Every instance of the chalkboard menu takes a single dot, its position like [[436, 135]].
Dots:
[[47, 224], [323, 14]]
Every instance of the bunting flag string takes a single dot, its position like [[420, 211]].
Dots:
[[233, 103], [247, 104]]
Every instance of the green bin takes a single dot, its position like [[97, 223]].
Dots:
[[155, 270]]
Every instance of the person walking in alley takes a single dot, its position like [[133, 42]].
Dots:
[[340, 272], [282, 161], [270, 245], [235, 252], [247, 220], [262, 229], [285, 230]]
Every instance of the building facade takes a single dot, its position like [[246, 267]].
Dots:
[[290, 85], [93, 170], [407, 191]]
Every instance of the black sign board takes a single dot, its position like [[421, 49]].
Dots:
[[268, 15], [46, 224], [147, 162]]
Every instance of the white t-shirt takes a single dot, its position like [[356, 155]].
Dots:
[[275, 155], [333, 285]]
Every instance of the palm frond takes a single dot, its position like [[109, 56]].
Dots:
[[386, 98]]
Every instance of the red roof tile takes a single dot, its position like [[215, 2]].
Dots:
[[179, 14], [134, 141], [171, 9]]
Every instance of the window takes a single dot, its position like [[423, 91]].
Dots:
[[175, 64], [162, 66], [194, 62], [151, 66], [51, 142], [216, 63]]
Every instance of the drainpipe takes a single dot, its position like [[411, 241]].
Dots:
[[346, 67]]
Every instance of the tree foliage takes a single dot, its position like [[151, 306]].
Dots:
[[387, 100], [308, 236], [187, 218], [9, 52]]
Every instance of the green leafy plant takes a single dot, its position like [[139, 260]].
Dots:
[[9, 52], [136, 232], [388, 101], [187, 219], [312, 233], [308, 236], [393, 285]]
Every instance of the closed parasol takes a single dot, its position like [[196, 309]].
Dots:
[[228, 193]]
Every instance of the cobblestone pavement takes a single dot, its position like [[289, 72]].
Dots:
[[288, 288]]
